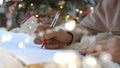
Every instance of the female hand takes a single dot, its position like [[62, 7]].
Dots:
[[111, 46], [55, 39]]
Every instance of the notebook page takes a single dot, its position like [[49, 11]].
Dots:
[[30, 53]]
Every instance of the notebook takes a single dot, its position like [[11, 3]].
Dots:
[[22, 47]]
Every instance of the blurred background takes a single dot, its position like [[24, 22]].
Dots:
[[12, 12]]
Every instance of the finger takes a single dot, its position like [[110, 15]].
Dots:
[[101, 45], [98, 46], [50, 35], [95, 48], [90, 50], [103, 42], [83, 51], [37, 40], [54, 46], [97, 54]]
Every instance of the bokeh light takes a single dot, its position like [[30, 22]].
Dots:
[[33, 21], [77, 10], [20, 5], [6, 37], [31, 4], [60, 56], [1, 2], [27, 40], [68, 16], [91, 61], [67, 57], [91, 8], [106, 57], [70, 25], [21, 45], [30, 27], [80, 11], [72, 65], [61, 6], [37, 15]]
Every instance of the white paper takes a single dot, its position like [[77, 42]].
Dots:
[[30, 53]]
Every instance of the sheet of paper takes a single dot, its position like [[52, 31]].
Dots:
[[22, 47]]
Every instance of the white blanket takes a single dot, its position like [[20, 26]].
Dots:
[[16, 56]]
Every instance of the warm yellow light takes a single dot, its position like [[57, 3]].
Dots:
[[61, 7], [36, 15], [70, 25], [80, 11], [31, 4], [20, 5], [77, 18], [77, 10], [33, 21], [68, 16]]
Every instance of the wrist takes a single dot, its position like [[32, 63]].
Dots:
[[71, 38]]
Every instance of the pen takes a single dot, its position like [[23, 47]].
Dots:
[[44, 42]]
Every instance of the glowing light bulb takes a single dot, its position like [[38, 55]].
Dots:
[[77, 18], [68, 16], [31, 4], [67, 57], [70, 25], [91, 8], [61, 7], [20, 5], [77, 10], [80, 11], [37, 15]]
